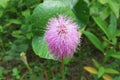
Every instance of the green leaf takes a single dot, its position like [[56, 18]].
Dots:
[[8, 58], [70, 3], [29, 35], [67, 60], [40, 48], [87, 1], [104, 13], [4, 3], [96, 42], [47, 10], [113, 26], [1, 69], [117, 78], [15, 73], [1, 12], [112, 29], [116, 55], [101, 24], [103, 1], [17, 34], [114, 7], [111, 71], [117, 33], [1, 29], [112, 53], [108, 54], [26, 13], [15, 21], [82, 12], [96, 63], [95, 8], [101, 71]]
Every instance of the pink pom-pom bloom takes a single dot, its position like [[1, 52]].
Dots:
[[62, 37]]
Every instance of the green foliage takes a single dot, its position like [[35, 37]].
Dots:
[[114, 7], [94, 40], [101, 24], [117, 78], [4, 3], [96, 63], [2, 73], [105, 14], [15, 73], [116, 55], [40, 48], [101, 71], [82, 13], [112, 71]]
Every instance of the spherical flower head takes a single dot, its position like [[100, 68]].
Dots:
[[62, 37]]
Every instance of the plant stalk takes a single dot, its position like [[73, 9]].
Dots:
[[31, 72], [62, 68], [23, 56]]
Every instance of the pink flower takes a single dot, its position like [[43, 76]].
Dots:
[[62, 37]]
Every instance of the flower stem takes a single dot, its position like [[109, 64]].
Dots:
[[24, 58], [31, 72], [62, 68]]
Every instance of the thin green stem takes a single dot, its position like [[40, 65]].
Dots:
[[62, 68], [23, 57], [31, 72]]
